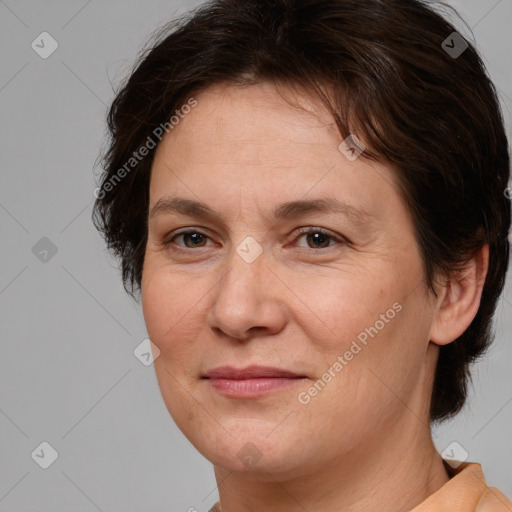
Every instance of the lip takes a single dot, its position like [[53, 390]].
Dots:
[[249, 372], [251, 381]]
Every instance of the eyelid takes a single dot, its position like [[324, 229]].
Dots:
[[312, 229], [168, 240], [300, 231]]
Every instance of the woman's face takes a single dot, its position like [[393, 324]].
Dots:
[[341, 312]]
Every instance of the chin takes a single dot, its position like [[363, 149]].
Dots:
[[253, 452]]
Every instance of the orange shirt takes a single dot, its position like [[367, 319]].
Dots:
[[466, 491]]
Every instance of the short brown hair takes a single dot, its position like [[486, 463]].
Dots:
[[432, 114]]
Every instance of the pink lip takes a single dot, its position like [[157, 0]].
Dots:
[[250, 382]]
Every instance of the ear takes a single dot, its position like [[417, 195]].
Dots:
[[459, 299]]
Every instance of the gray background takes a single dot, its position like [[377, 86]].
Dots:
[[68, 373]]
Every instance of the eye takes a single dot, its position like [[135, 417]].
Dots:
[[318, 238], [192, 238]]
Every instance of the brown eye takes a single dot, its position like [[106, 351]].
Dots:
[[191, 239], [196, 239], [317, 238]]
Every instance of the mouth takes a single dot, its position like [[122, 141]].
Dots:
[[250, 382]]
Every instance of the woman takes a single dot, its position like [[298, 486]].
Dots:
[[309, 197]]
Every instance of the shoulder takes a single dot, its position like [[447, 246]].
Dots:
[[493, 500], [466, 491]]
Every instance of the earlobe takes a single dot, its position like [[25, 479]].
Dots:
[[459, 299]]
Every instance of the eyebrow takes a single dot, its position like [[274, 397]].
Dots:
[[288, 210]]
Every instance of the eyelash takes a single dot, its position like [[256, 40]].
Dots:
[[301, 231]]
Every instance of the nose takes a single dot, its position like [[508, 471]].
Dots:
[[246, 301]]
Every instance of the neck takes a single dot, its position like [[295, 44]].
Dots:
[[392, 475]]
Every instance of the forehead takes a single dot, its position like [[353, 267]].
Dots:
[[257, 115], [265, 143]]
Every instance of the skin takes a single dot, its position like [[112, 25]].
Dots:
[[364, 441]]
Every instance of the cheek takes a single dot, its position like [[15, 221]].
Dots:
[[168, 313], [173, 305], [383, 360], [162, 312], [341, 308], [364, 327], [167, 300], [368, 383]]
